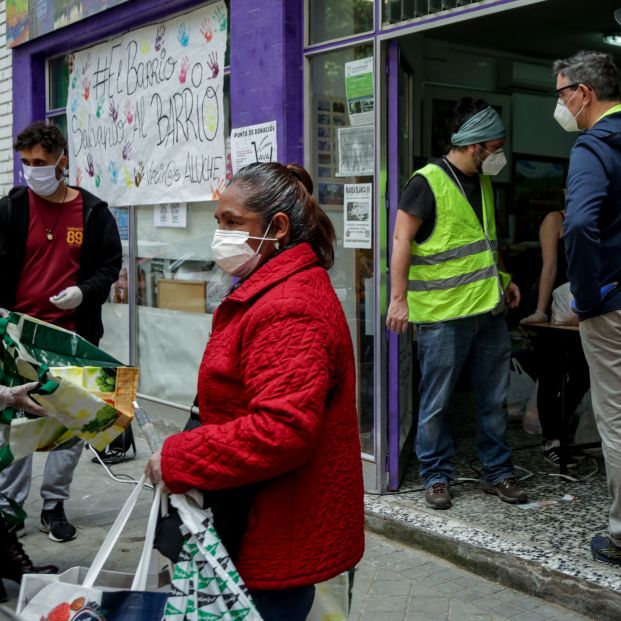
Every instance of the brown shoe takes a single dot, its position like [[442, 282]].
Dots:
[[508, 490], [438, 496]]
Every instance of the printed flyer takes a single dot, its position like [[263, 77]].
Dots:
[[357, 214], [356, 151], [254, 143], [359, 90]]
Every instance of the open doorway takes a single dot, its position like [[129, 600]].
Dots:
[[505, 58]]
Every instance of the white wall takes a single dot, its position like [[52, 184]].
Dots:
[[441, 64], [535, 131], [6, 108]]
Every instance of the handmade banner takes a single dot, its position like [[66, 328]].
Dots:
[[145, 112]]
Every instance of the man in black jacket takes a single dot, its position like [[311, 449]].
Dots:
[[60, 252]]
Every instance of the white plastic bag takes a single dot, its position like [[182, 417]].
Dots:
[[561, 306], [521, 386], [331, 601], [586, 431], [530, 422], [93, 593]]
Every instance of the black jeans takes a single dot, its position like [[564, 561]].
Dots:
[[286, 604], [552, 350]]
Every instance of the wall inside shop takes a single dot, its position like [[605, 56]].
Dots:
[[444, 69], [6, 108], [533, 129]]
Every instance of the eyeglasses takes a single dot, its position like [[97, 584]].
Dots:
[[558, 91]]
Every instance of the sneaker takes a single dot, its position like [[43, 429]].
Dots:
[[508, 490], [604, 550], [55, 522], [438, 496], [553, 456]]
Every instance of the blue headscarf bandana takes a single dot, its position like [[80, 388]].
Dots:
[[483, 126]]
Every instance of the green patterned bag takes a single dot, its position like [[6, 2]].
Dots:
[[87, 394], [205, 584]]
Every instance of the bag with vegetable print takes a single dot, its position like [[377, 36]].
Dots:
[[87, 394]]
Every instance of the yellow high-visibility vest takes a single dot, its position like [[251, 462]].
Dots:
[[454, 273]]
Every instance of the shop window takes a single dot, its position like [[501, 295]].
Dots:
[[335, 19], [172, 287], [342, 145], [57, 88], [402, 10], [178, 288]]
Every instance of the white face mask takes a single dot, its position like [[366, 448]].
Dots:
[[565, 118], [233, 254], [493, 163], [42, 179]]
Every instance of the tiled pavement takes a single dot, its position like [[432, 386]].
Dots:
[[393, 582], [399, 583]]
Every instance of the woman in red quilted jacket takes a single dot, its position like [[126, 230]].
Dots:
[[276, 392]]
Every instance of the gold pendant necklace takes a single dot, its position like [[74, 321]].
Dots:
[[49, 232]]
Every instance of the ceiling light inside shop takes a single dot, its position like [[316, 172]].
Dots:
[[613, 39]]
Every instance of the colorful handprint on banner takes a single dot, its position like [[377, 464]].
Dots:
[[183, 35]]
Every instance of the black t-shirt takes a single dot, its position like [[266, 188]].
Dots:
[[417, 198]]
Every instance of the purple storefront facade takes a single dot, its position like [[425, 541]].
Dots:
[[279, 71]]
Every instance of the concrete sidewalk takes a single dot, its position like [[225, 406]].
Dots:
[[393, 582]]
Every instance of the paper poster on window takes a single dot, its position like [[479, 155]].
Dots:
[[359, 91], [170, 215], [145, 112], [121, 215], [357, 215], [254, 143], [356, 151]]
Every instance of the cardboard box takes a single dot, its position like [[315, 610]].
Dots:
[[183, 295]]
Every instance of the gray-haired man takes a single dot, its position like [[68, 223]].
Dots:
[[587, 85]]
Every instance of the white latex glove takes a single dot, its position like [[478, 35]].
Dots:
[[70, 298], [3, 313], [537, 317], [17, 397]]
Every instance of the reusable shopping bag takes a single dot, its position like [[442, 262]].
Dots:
[[91, 594], [86, 393], [205, 583]]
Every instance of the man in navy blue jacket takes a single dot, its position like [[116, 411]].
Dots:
[[587, 85]]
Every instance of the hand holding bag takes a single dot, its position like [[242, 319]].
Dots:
[[96, 595], [86, 393]]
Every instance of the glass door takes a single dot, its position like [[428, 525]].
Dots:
[[401, 360], [342, 161]]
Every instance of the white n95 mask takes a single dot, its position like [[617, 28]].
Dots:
[[494, 163], [42, 179], [233, 254], [565, 118]]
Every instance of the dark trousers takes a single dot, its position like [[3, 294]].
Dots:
[[552, 350], [286, 604]]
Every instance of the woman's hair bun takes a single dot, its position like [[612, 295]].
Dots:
[[302, 176]]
